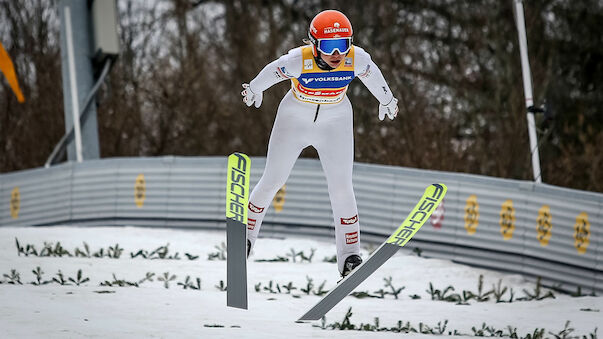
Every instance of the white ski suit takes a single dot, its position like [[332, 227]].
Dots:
[[316, 112]]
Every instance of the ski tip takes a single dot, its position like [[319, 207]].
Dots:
[[441, 186]]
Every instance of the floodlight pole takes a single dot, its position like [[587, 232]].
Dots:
[[78, 79], [75, 105], [527, 87], [89, 47]]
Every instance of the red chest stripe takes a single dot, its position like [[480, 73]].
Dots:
[[320, 92]]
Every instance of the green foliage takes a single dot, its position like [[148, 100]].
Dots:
[[220, 254], [221, 286], [54, 250], [51, 249], [269, 288], [293, 256], [119, 283], [13, 278], [332, 259], [79, 279], [394, 291], [60, 279], [277, 259], [148, 277], [166, 278], [443, 295], [302, 256], [309, 286], [347, 325], [498, 291], [480, 296], [191, 256], [483, 330], [161, 252], [38, 274], [188, 283], [417, 251], [289, 287], [537, 294]]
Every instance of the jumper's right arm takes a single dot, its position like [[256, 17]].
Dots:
[[286, 67]]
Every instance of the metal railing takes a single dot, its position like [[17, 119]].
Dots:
[[516, 226]]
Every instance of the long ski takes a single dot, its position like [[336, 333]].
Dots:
[[237, 198], [418, 216]]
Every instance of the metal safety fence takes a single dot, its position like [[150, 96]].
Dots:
[[515, 226]]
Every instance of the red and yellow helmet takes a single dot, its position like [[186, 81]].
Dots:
[[330, 31]]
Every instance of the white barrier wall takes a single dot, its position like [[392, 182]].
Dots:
[[516, 226]]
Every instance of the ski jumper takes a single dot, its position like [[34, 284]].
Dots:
[[315, 112]]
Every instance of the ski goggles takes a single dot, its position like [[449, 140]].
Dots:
[[329, 46]]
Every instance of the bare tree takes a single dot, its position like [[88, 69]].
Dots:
[[454, 65], [28, 131]]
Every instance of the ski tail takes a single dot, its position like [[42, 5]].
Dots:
[[237, 198]]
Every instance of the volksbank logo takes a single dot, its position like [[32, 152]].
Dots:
[[322, 79]]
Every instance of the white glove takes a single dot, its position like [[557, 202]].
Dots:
[[250, 98], [390, 109]]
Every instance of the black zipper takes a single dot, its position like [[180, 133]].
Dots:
[[316, 115]]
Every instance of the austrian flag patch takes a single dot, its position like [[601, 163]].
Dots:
[[251, 224], [253, 208], [351, 238], [349, 221]]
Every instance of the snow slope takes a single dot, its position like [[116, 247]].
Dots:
[[163, 308]]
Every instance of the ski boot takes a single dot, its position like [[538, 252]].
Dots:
[[350, 264]]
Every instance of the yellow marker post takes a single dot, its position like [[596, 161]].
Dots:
[[140, 190], [471, 214], [7, 67], [15, 202], [507, 219], [581, 233], [279, 199], [544, 225]]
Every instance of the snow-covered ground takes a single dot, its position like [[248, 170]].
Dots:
[[161, 306]]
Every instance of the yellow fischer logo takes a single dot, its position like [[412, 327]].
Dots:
[[429, 202], [471, 214], [15, 202], [544, 225], [279, 199], [237, 187], [140, 189], [507, 219], [581, 233]]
